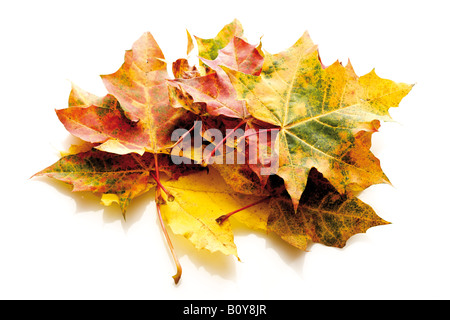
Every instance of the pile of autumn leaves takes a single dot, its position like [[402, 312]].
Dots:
[[323, 117]]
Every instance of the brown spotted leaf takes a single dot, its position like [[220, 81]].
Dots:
[[241, 178], [295, 171], [126, 176], [319, 112], [106, 173], [323, 215]]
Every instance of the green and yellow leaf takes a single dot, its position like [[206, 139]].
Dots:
[[319, 112]]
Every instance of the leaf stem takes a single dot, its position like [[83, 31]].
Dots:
[[158, 197], [205, 161], [225, 217], [184, 136], [143, 166], [177, 276], [170, 197]]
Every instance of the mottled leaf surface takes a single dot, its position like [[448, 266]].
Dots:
[[126, 176], [104, 172], [215, 89], [212, 90], [209, 48], [319, 113], [140, 87], [323, 215], [295, 171], [238, 55], [104, 122]]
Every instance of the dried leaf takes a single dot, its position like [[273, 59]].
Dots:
[[301, 185], [105, 123], [190, 45], [238, 55], [104, 172], [323, 215], [209, 48], [199, 200], [182, 69], [140, 87], [215, 90], [80, 98], [319, 113], [125, 176], [212, 90]]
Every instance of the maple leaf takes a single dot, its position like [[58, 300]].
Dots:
[[218, 97], [125, 176], [103, 172], [238, 55], [141, 89], [241, 178], [323, 215], [199, 200], [137, 115], [209, 48], [322, 118], [319, 112], [139, 83], [213, 94], [103, 121], [215, 89]]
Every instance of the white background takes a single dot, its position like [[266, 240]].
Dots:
[[59, 245]]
